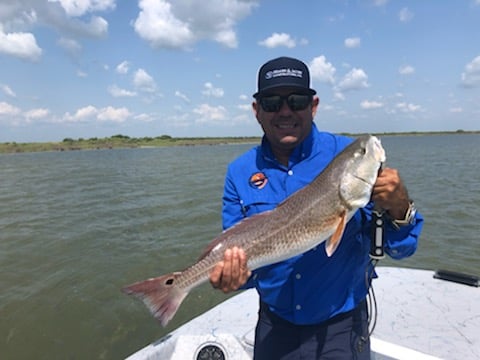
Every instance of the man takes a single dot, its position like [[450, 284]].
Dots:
[[311, 306]]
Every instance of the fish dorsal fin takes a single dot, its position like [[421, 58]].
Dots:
[[333, 241]]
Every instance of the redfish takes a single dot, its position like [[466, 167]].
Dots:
[[314, 214]]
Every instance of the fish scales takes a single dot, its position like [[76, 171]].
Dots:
[[316, 213]]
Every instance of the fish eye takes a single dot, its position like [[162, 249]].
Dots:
[[362, 151]]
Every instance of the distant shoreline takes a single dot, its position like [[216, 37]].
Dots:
[[122, 141]]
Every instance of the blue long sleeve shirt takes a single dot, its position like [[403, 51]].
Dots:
[[309, 288]]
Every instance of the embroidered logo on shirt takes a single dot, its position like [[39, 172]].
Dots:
[[258, 180]]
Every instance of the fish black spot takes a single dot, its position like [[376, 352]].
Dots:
[[169, 282]]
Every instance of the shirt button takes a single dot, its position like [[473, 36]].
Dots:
[[298, 307], [298, 276], [290, 172]]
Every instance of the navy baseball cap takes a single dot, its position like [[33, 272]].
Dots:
[[283, 72]]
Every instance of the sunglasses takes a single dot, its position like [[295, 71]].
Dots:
[[295, 102]]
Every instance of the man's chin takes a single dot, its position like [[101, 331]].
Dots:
[[289, 140]]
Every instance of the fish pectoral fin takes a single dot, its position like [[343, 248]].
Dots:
[[333, 241]]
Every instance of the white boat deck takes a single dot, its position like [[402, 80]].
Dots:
[[419, 317]]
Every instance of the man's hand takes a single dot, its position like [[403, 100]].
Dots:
[[231, 273], [390, 194]]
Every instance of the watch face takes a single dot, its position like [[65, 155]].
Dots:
[[413, 211]]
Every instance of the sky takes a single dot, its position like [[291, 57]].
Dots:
[[187, 68]]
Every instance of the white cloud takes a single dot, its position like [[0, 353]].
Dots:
[[97, 27], [179, 24], [91, 113], [82, 114], [352, 42], [408, 108], [406, 70], [162, 23], [210, 90], [123, 67], [471, 76], [158, 25], [354, 80], [144, 82], [81, 7], [322, 70], [405, 15], [15, 16], [18, 16], [144, 117], [15, 116], [8, 110], [116, 91], [182, 96], [19, 44], [210, 114], [369, 105], [8, 91], [227, 37], [277, 40], [117, 115], [37, 113]]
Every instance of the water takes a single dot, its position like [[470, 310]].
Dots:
[[77, 226]]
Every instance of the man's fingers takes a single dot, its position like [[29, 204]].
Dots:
[[216, 275], [245, 273], [240, 273], [232, 272], [235, 269], [227, 271]]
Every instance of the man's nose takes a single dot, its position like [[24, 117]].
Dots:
[[284, 108]]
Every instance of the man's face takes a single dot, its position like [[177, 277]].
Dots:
[[285, 128]]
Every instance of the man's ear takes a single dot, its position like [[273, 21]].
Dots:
[[255, 109], [315, 103]]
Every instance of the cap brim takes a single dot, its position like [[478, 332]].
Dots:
[[277, 86]]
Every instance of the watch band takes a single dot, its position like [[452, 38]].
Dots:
[[409, 216]]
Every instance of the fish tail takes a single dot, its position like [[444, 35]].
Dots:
[[161, 295]]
